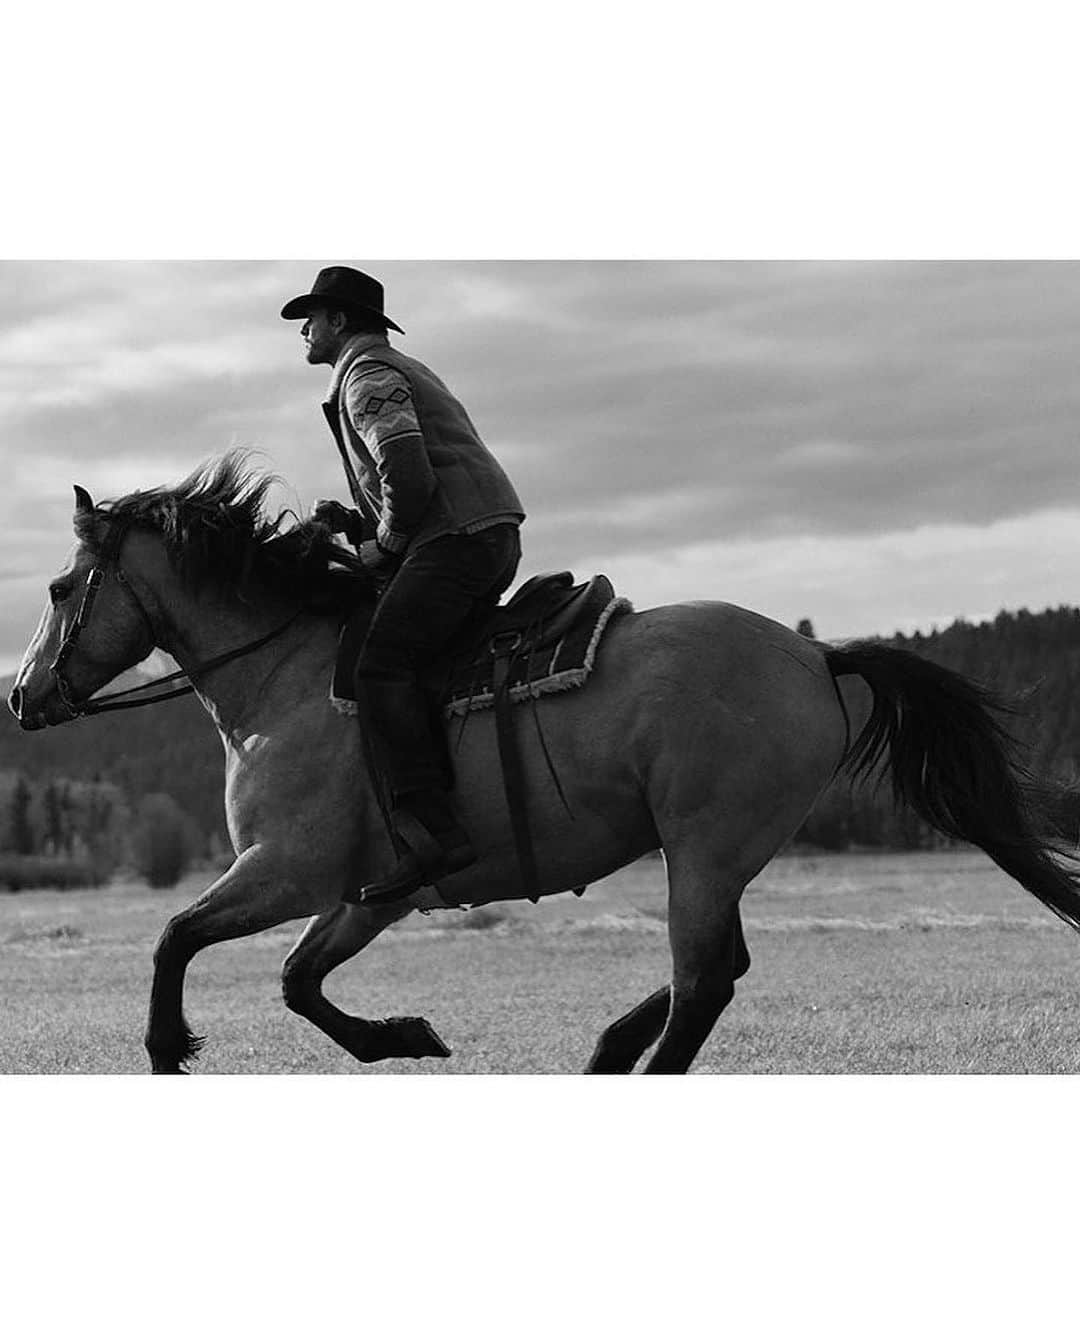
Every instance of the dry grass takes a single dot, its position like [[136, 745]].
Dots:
[[912, 963]]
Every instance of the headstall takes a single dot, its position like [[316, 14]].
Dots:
[[109, 557]]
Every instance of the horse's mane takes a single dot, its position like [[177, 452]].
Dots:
[[217, 532]]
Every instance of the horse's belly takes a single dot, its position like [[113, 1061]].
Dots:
[[584, 799], [579, 855]]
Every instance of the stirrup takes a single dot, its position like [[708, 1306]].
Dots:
[[426, 861]]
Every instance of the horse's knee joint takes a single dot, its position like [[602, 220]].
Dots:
[[296, 990], [175, 942]]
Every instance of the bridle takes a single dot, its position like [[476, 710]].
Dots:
[[109, 557]]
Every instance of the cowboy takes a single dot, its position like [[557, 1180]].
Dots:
[[436, 525]]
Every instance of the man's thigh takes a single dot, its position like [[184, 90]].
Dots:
[[437, 590]]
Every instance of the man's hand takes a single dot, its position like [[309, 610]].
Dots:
[[334, 515]]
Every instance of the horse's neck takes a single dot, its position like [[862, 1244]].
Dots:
[[253, 689]]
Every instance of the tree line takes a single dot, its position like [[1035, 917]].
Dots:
[[1032, 661], [73, 833]]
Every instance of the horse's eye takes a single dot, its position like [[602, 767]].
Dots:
[[58, 592]]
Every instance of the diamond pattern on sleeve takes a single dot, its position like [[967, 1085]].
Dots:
[[382, 407]]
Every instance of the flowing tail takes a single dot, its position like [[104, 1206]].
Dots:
[[953, 762]]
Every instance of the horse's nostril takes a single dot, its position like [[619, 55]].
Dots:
[[15, 699]]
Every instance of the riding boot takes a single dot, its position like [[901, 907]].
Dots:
[[415, 771]]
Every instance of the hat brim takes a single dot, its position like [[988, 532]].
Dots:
[[298, 308]]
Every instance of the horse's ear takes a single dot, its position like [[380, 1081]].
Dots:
[[83, 501]]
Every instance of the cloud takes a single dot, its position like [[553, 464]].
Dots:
[[818, 454], [856, 585], [646, 409]]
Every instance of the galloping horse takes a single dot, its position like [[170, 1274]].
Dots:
[[705, 730]]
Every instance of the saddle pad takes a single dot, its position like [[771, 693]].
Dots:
[[467, 685], [549, 670]]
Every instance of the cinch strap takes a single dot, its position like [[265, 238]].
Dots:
[[504, 648]]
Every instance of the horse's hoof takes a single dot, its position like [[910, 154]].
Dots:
[[413, 1037]]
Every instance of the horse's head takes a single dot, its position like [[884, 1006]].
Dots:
[[95, 624]]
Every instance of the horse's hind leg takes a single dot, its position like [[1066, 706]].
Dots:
[[329, 940], [624, 1043], [708, 953]]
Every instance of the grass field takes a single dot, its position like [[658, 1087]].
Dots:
[[927, 962]]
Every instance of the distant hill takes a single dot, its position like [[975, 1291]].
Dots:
[[174, 748]]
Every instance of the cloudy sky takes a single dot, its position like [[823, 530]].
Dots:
[[872, 445]]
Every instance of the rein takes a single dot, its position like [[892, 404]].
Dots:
[[90, 707], [106, 702]]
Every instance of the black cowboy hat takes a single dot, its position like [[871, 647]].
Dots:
[[345, 290]]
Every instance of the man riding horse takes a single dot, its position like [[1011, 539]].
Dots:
[[435, 525]]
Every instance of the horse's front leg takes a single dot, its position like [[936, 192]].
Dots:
[[255, 893], [329, 940]]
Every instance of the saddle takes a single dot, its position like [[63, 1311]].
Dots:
[[543, 640], [544, 608], [537, 643]]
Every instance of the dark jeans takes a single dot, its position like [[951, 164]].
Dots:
[[439, 588]]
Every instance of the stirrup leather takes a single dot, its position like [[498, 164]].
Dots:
[[421, 842]]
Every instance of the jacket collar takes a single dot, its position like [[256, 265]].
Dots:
[[359, 344]]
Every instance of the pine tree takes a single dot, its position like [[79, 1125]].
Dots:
[[22, 835], [54, 829]]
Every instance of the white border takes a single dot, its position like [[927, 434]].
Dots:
[[795, 1206]]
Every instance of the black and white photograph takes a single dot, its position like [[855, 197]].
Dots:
[[578, 650]]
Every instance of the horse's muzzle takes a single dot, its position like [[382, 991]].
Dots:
[[29, 721]]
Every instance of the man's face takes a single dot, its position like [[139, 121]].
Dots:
[[322, 335]]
